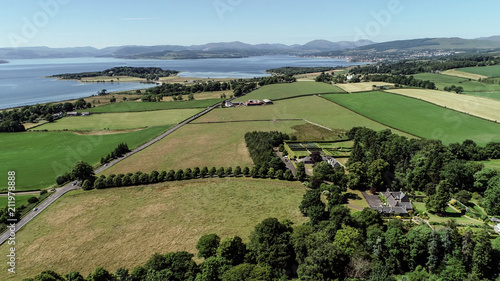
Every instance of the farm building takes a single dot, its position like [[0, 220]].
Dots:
[[228, 104], [253, 102], [497, 228], [85, 113], [397, 203], [72, 113], [267, 101]]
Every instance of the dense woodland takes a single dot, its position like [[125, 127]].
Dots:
[[409, 67], [150, 73], [260, 146]]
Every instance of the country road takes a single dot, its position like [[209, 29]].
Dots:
[[61, 191]]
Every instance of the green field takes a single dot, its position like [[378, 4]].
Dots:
[[120, 121], [132, 106], [38, 158], [490, 71], [20, 200], [281, 91], [314, 109], [221, 143], [198, 145], [472, 87], [493, 164], [419, 118], [84, 230]]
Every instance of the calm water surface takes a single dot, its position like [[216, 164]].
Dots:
[[22, 82]]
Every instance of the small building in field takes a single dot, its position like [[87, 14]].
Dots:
[[238, 103], [253, 102], [85, 113], [267, 101], [72, 113], [228, 104]]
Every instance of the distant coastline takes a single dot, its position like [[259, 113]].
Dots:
[[3, 61]]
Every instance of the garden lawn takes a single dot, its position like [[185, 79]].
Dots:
[[133, 106], [38, 158], [287, 90], [493, 164], [120, 121], [124, 227], [419, 118]]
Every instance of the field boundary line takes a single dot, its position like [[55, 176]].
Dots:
[[242, 121], [444, 107]]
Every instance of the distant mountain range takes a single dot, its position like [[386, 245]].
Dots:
[[239, 49]]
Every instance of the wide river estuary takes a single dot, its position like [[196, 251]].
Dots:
[[23, 82]]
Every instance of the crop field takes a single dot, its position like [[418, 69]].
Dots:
[[281, 91], [477, 106], [84, 230], [38, 158], [420, 118], [314, 109], [488, 71], [120, 121], [461, 74], [198, 145], [133, 106], [362, 87], [470, 87]]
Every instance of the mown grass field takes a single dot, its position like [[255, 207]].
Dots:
[[461, 74], [420, 118], [211, 145], [314, 109], [134, 106], [84, 230], [281, 91], [120, 121], [362, 86], [488, 71], [477, 106], [470, 87], [38, 158]]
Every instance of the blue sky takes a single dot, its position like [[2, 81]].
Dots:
[[70, 23]]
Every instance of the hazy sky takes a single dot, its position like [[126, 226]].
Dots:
[[69, 23]]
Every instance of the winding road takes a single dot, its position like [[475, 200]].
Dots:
[[61, 191]]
